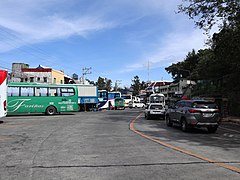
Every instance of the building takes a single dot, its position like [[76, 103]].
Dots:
[[172, 91], [22, 73], [154, 87], [176, 90], [17, 73]]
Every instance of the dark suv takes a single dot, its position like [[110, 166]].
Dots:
[[190, 113]]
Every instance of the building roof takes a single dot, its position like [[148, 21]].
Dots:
[[160, 83], [36, 70]]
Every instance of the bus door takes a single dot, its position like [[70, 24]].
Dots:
[[66, 99]]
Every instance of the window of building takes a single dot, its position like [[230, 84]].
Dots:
[[26, 79], [54, 80], [31, 79], [44, 79], [38, 79]]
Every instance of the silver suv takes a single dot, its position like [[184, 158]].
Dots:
[[194, 113]]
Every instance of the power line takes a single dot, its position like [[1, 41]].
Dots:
[[14, 41]]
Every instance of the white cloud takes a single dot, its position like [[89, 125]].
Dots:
[[31, 22], [172, 49], [27, 22]]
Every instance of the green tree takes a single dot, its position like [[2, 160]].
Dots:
[[226, 47], [218, 66], [90, 82], [186, 68], [207, 13], [108, 84], [205, 68], [143, 85], [136, 86], [101, 83]]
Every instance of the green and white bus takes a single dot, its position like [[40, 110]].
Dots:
[[41, 98]]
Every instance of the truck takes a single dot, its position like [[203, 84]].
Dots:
[[87, 97]]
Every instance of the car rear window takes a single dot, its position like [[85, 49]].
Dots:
[[156, 107], [203, 104]]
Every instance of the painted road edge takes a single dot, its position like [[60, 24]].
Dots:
[[179, 149]]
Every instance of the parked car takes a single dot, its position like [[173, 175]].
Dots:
[[194, 113], [154, 110], [136, 104]]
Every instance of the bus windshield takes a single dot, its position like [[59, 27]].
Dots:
[[113, 95], [156, 99]]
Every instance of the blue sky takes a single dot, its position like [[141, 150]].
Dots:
[[116, 38]]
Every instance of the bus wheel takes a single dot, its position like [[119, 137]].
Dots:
[[51, 110]]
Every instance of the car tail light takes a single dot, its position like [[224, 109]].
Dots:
[[5, 105], [194, 111]]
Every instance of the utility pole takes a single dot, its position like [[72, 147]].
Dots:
[[148, 70], [85, 71]]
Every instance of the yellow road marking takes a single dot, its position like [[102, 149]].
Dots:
[[179, 149]]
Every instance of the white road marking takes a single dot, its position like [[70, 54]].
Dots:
[[230, 130]]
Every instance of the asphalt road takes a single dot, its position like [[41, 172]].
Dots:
[[101, 145]]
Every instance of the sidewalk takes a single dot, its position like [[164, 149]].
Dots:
[[232, 119]]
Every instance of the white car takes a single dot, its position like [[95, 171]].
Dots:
[[154, 110], [136, 104]]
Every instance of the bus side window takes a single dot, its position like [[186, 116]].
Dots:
[[53, 92], [26, 91], [43, 91], [67, 91], [37, 91], [13, 91]]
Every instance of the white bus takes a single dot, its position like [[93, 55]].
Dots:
[[127, 99], [3, 93], [157, 98], [106, 99]]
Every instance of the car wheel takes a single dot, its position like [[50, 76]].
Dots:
[[51, 110], [184, 125], [212, 129], [168, 121]]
